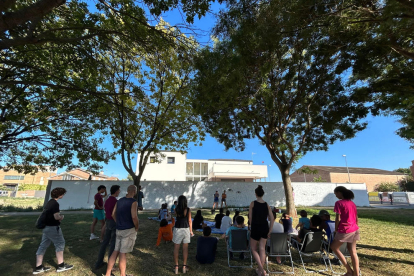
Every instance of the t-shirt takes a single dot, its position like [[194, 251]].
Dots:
[[216, 196], [99, 201], [206, 249], [163, 214], [52, 208], [277, 227], [109, 207], [140, 197], [223, 196], [166, 232], [225, 223], [172, 209], [348, 214], [287, 226], [305, 222], [228, 233], [218, 219]]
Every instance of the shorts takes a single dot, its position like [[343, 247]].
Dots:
[[348, 237], [125, 240], [181, 235], [216, 200], [223, 200], [51, 234], [99, 214], [258, 232]]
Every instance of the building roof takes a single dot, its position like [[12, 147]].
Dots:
[[352, 170], [238, 160], [84, 174]]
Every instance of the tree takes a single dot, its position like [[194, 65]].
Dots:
[[307, 170], [156, 115], [405, 171], [52, 75], [275, 85]]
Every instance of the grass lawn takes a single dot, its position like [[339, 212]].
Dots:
[[18, 204], [386, 248]]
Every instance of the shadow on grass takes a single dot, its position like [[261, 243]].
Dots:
[[396, 216], [378, 258], [400, 250]]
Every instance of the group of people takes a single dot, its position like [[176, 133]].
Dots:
[[122, 224]]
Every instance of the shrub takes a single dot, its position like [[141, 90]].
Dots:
[[386, 187], [30, 187], [409, 187], [406, 184]]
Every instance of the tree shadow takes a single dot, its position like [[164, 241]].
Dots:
[[399, 250]]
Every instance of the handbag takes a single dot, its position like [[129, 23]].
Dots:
[[41, 220]]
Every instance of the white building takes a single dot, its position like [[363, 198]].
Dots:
[[174, 166]]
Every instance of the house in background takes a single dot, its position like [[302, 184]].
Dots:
[[369, 176], [81, 174], [12, 178], [174, 166]]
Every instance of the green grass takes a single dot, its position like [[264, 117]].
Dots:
[[386, 247], [16, 204]]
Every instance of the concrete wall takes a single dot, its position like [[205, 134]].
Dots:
[[200, 194]]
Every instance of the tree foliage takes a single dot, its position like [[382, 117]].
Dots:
[[406, 171], [53, 75], [274, 82], [155, 114]]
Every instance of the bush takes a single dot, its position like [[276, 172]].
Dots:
[[409, 187], [31, 187], [386, 187]]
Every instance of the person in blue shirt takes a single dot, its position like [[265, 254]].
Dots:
[[173, 208], [216, 200], [304, 222], [240, 226], [206, 247]]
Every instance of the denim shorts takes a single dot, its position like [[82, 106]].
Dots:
[[51, 234]]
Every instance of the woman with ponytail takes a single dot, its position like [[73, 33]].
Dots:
[[259, 213], [346, 229]]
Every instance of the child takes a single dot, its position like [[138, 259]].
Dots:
[[304, 222], [315, 222], [225, 222], [164, 212], [346, 228], [165, 232], [239, 226], [198, 221], [173, 208], [223, 199], [236, 214], [286, 220]]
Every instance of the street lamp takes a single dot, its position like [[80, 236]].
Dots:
[[346, 162]]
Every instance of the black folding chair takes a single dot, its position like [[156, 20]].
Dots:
[[239, 244], [310, 246], [279, 247]]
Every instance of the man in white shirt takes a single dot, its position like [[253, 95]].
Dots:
[[225, 222]]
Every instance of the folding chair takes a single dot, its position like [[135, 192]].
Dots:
[[239, 244], [343, 249], [311, 245], [279, 247]]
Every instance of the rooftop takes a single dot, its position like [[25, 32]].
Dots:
[[238, 160], [352, 170]]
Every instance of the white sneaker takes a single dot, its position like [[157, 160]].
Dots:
[[94, 237]]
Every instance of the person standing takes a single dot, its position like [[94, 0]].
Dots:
[[223, 199], [183, 231], [52, 233], [110, 227], [346, 229], [173, 208], [216, 199], [126, 218], [98, 212], [140, 197], [260, 230]]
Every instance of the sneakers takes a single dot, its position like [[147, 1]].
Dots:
[[40, 269], [94, 237], [63, 267]]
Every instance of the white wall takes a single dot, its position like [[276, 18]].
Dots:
[[200, 194], [164, 171]]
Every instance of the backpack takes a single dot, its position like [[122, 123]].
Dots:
[[41, 220]]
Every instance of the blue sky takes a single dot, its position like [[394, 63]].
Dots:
[[376, 147]]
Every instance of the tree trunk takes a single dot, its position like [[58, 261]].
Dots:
[[287, 184]]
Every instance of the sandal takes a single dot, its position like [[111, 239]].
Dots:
[[176, 269], [185, 268]]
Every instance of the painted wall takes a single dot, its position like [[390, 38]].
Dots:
[[369, 179], [200, 194], [163, 171]]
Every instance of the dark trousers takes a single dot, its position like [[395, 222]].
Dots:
[[109, 239]]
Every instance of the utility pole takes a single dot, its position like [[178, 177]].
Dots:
[[346, 162]]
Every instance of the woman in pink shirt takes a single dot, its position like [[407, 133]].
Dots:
[[346, 229]]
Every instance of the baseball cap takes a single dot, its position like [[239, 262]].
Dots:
[[323, 213]]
